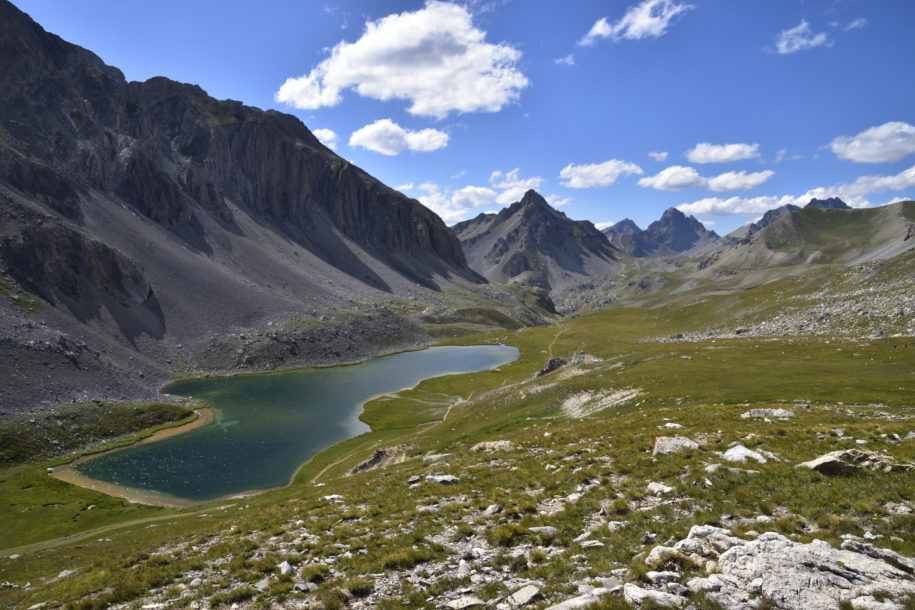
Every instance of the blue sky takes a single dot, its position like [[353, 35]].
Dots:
[[610, 109]]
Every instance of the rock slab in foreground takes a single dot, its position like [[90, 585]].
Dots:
[[792, 575]]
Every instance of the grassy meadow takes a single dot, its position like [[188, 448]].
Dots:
[[585, 429]]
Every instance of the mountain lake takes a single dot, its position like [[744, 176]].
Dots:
[[266, 426]]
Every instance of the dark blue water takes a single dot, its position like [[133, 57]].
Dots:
[[266, 426]]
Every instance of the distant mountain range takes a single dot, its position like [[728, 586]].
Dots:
[[674, 233], [532, 244]]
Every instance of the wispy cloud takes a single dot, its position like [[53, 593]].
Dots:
[[658, 156], [799, 38], [433, 57], [568, 60], [648, 19], [860, 22]]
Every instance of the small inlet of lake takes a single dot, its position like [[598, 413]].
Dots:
[[266, 426]]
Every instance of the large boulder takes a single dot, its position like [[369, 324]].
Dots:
[[846, 461]]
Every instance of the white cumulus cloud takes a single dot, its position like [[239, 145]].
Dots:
[[648, 19], [854, 194], [327, 137], [799, 38], [674, 178], [738, 181], [885, 143], [596, 174], [658, 156], [473, 197], [388, 138], [704, 152], [716, 206], [557, 201], [512, 185], [434, 57], [603, 225]]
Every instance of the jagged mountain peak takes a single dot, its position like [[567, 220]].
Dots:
[[533, 244], [832, 203], [624, 227]]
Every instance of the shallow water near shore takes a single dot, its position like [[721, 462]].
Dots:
[[266, 426]]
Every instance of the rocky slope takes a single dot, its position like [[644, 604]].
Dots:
[[149, 218], [532, 244], [674, 233]]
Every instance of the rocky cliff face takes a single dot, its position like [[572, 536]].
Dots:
[[153, 218], [532, 244]]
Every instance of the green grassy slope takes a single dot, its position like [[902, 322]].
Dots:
[[856, 389]]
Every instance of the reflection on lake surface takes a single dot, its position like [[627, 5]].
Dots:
[[266, 426]]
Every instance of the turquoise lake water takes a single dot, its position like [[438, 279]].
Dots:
[[266, 426]]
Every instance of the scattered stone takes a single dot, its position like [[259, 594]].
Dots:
[[544, 529], [492, 446], [284, 568], [658, 488], [65, 574], [660, 578], [592, 544], [467, 601], [334, 498], [524, 595], [660, 554], [416, 478], [767, 413], [492, 509], [444, 479], [262, 584], [637, 596], [741, 454], [848, 460], [15, 556], [582, 601], [671, 424], [436, 457], [672, 444]]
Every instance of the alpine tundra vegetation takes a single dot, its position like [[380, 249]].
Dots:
[[673, 416]]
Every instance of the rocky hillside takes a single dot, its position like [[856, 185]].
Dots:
[[141, 220], [819, 234], [532, 244], [674, 233]]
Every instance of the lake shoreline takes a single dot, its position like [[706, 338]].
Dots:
[[68, 472]]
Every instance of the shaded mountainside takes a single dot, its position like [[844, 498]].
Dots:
[[532, 244], [674, 233], [152, 218]]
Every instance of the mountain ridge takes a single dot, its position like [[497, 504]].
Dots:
[[530, 243]]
